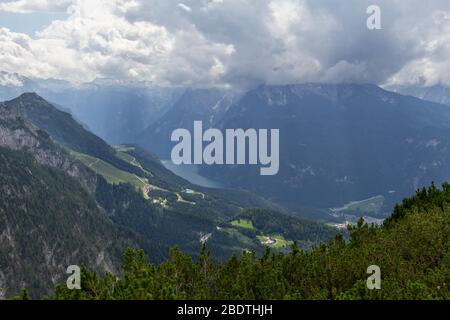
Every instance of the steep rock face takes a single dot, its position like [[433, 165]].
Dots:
[[49, 218], [48, 221], [3, 285], [17, 133]]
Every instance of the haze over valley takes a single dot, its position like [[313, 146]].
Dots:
[[224, 149]]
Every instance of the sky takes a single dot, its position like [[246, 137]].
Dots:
[[227, 42]]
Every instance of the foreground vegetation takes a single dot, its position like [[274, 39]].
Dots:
[[412, 249]]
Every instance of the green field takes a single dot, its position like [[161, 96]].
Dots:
[[243, 223], [121, 154], [193, 192], [181, 199], [274, 241], [123, 148], [371, 205], [368, 206], [109, 172], [128, 158]]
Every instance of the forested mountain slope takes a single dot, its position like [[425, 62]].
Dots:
[[412, 251], [49, 218], [341, 143], [67, 183]]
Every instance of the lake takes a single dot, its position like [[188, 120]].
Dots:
[[190, 173]]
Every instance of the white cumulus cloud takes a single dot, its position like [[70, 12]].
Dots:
[[233, 42], [27, 6]]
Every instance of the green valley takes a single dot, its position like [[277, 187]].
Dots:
[[109, 172], [412, 249], [136, 199]]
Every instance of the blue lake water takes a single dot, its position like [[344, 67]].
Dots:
[[190, 173]]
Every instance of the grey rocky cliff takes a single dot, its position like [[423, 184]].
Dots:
[[18, 134]]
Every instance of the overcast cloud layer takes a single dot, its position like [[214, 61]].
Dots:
[[232, 42]]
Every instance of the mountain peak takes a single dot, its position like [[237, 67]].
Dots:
[[279, 94], [30, 95], [30, 99], [438, 93]]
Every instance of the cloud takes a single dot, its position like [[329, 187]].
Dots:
[[93, 42], [184, 7], [10, 79], [28, 6], [234, 42], [432, 64]]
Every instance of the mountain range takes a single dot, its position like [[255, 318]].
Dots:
[[206, 105], [330, 136], [342, 142], [70, 198], [438, 93], [352, 148], [113, 110]]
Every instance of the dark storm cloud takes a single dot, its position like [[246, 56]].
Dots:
[[244, 42]]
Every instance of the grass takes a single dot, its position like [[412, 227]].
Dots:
[[126, 157], [122, 154], [274, 241], [243, 223], [124, 148], [193, 192], [371, 205], [109, 172], [180, 199]]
